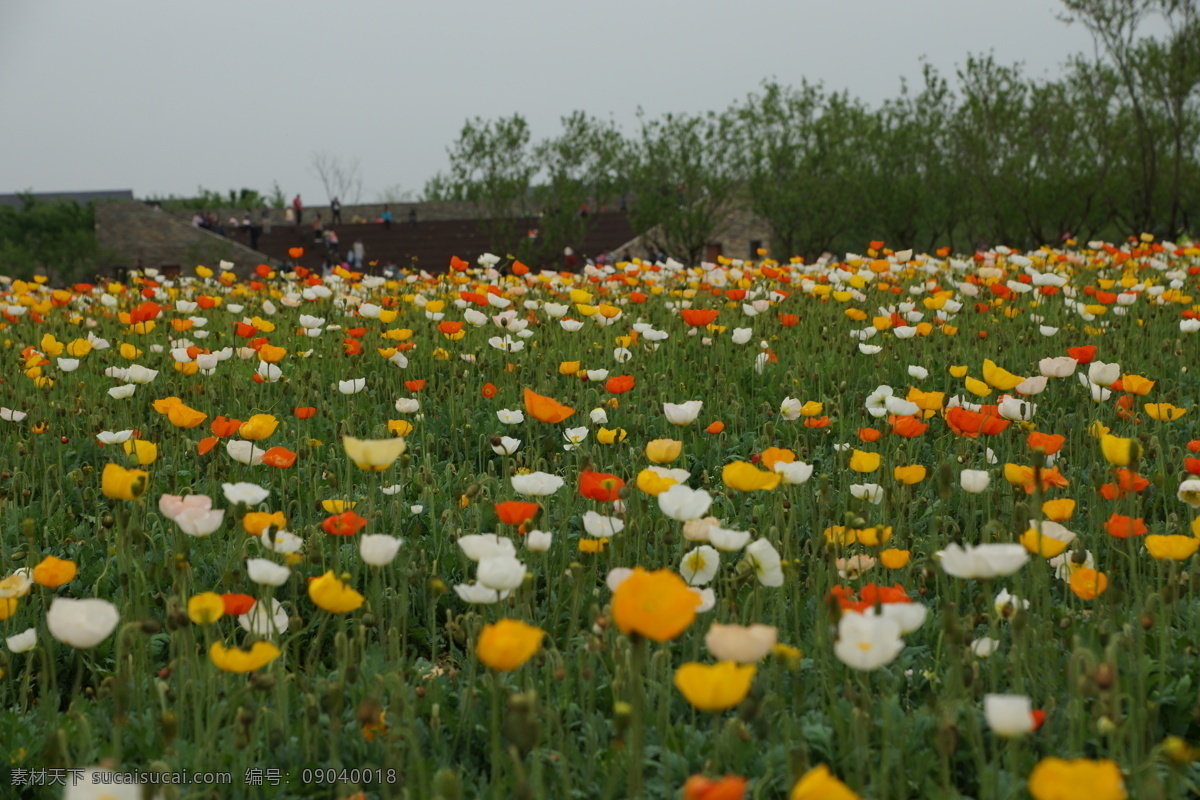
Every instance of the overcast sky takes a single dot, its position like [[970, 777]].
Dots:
[[164, 96]]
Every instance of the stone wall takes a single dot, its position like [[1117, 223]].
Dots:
[[133, 232]]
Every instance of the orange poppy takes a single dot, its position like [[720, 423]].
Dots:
[[600, 486], [716, 427], [1047, 443], [816, 422], [351, 347], [295, 253], [519, 269], [345, 524], [1123, 527], [657, 605], [699, 317], [450, 327], [279, 457], [868, 435], [545, 409], [237, 604], [619, 384], [489, 390], [970, 424], [245, 331], [414, 386], [698, 787], [789, 320], [1194, 445], [222, 427], [206, 444], [908, 427], [304, 412], [516, 512], [1192, 465]]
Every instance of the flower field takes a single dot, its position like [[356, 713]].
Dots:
[[888, 526]]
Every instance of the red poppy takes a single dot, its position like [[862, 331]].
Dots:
[[262, 270], [144, 313], [279, 457], [1192, 465], [472, 297], [351, 347], [345, 524], [237, 604], [415, 386], [295, 252], [245, 331], [516, 512], [638, 297], [699, 317], [1084, 354], [789, 320], [1194, 445], [304, 412], [1122, 527], [450, 327], [816, 422], [206, 302], [206, 444], [458, 265], [357, 333], [519, 269], [619, 384], [600, 486], [489, 390]]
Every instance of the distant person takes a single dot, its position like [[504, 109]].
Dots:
[[298, 207], [386, 216], [266, 220], [197, 220], [318, 228], [569, 258], [332, 242], [359, 253], [412, 217], [335, 212], [289, 216]]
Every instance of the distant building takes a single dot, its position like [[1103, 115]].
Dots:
[[83, 198]]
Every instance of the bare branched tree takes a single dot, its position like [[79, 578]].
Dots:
[[341, 180]]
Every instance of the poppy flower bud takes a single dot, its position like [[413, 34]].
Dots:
[[177, 620], [263, 681], [150, 626], [446, 785], [1105, 675]]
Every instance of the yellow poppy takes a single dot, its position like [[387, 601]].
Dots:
[[1057, 778], [506, 645], [258, 427], [657, 605], [333, 594], [373, 455], [123, 484], [205, 608], [235, 659], [745, 477], [714, 687], [862, 461], [663, 451], [1119, 452], [53, 572]]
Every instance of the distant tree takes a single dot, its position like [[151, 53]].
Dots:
[[493, 165], [683, 178], [581, 173], [342, 180], [56, 239], [804, 162], [395, 193]]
